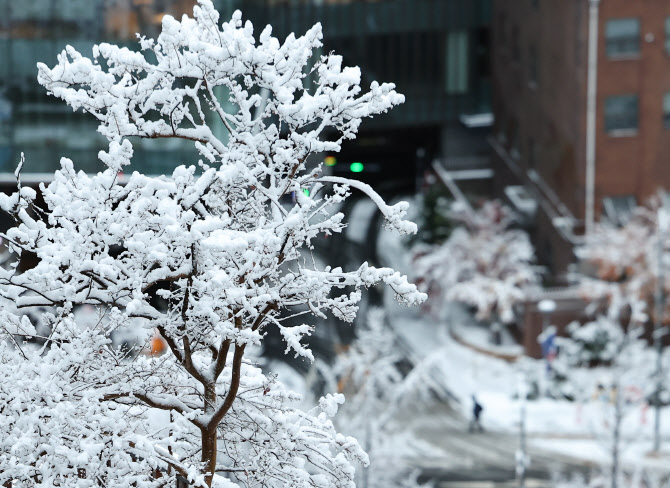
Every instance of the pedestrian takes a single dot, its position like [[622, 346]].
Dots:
[[475, 423]]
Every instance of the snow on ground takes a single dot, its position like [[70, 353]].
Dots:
[[573, 429], [597, 452], [464, 326], [570, 429]]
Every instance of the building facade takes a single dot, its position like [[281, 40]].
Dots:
[[43, 127], [436, 51], [540, 66]]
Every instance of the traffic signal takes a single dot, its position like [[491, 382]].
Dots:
[[356, 167]]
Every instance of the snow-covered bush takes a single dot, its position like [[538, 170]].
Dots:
[[484, 263], [623, 377], [593, 343], [222, 249]]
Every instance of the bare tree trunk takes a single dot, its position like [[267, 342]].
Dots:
[[209, 439], [209, 453]]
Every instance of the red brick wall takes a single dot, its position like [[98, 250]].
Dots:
[[552, 114], [637, 164]]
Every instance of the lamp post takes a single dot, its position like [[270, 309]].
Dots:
[[546, 308], [659, 302], [522, 460]]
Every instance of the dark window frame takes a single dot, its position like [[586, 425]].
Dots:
[[666, 110], [619, 119], [622, 46]]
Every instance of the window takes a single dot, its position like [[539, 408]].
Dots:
[[621, 113], [457, 62], [622, 37], [667, 34], [666, 110]]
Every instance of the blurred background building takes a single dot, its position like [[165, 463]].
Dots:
[[436, 51], [460, 63], [43, 127], [540, 75]]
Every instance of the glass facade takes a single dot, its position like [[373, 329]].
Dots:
[[45, 128], [436, 51]]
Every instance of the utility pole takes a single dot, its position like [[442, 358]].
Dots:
[[591, 92], [522, 452], [616, 435], [659, 302]]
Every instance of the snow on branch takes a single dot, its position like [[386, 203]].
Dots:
[[204, 262], [483, 263]]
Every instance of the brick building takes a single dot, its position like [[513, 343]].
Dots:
[[540, 66]]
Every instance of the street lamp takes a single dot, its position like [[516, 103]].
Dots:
[[659, 302], [522, 458], [591, 93], [546, 308]]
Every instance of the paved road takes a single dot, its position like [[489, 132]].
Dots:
[[463, 459]]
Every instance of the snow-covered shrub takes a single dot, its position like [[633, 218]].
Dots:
[[222, 249], [622, 381], [434, 221], [624, 261], [593, 343]]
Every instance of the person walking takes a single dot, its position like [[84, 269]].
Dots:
[[475, 423]]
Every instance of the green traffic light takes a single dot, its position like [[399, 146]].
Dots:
[[356, 167]]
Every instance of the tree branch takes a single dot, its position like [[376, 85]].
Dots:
[[232, 391]]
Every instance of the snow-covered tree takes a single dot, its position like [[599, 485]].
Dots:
[[612, 364], [484, 263], [221, 248], [625, 259], [376, 390], [433, 219]]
